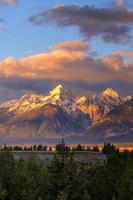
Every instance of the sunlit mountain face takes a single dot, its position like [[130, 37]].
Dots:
[[60, 114]]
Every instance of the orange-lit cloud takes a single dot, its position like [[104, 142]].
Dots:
[[71, 46], [117, 60], [69, 61], [130, 55], [46, 64]]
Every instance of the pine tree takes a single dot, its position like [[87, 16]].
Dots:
[[2, 193]]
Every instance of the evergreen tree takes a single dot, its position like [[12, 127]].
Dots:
[[40, 147], [95, 149], [2, 193]]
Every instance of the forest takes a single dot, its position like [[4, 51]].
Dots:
[[62, 178]]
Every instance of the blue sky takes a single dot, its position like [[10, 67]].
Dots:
[[21, 38]]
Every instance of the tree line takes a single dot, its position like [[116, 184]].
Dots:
[[62, 178], [41, 147]]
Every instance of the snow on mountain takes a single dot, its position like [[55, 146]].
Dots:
[[63, 98], [110, 93], [107, 100], [58, 96], [99, 105], [82, 100], [51, 116], [96, 106], [57, 114], [117, 124], [26, 103]]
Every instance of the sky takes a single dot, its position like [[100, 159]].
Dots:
[[87, 45]]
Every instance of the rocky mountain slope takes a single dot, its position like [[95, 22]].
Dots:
[[61, 114], [117, 124], [58, 96], [99, 105]]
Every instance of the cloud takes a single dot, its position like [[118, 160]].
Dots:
[[5, 3], [130, 54], [2, 28], [115, 60], [121, 4], [71, 63], [50, 64], [71, 46], [112, 25], [118, 60], [8, 2]]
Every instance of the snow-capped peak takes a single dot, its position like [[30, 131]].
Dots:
[[26, 103], [82, 100], [60, 93], [56, 92], [110, 93], [59, 96], [62, 97]]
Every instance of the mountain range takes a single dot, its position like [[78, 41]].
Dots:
[[106, 116]]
